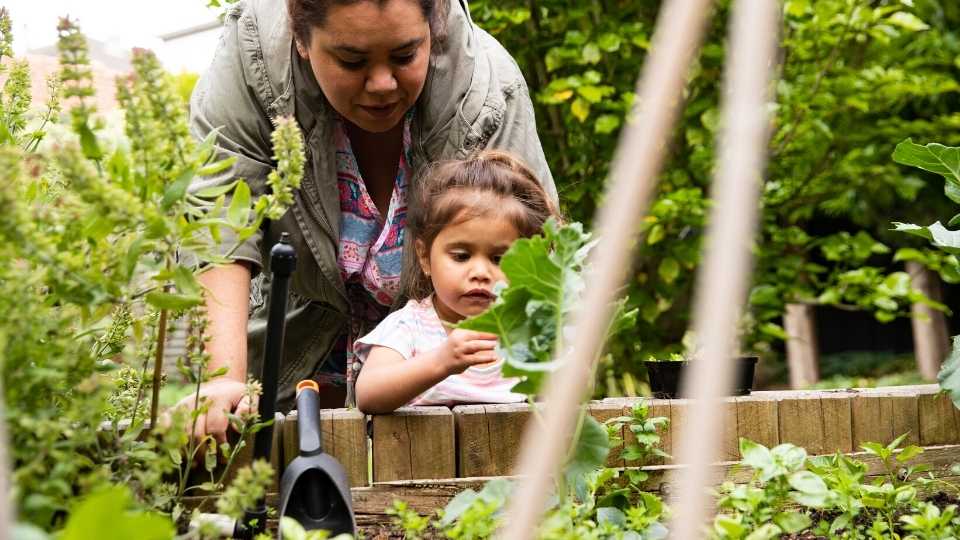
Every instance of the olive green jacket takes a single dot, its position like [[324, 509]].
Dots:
[[474, 97]]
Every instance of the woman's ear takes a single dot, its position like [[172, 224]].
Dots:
[[423, 257], [301, 50]]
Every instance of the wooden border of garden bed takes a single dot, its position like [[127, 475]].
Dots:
[[483, 440]]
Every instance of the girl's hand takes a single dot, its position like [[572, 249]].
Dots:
[[465, 348]]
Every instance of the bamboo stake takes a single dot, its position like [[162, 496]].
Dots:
[[633, 176], [724, 276]]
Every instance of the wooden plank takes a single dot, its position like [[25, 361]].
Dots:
[[801, 422], [678, 412], [757, 420], [506, 423], [276, 449], [872, 416], [730, 444], [344, 434], [938, 421], [289, 438], [837, 410], [661, 407], [906, 417], [414, 443], [603, 411], [474, 456]]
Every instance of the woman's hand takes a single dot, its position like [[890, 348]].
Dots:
[[222, 396], [465, 348], [227, 292]]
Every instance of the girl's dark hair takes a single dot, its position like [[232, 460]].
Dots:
[[482, 184], [308, 14]]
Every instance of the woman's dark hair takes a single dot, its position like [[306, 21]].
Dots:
[[484, 183], [308, 14]]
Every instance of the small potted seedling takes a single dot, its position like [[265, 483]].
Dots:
[[666, 373]]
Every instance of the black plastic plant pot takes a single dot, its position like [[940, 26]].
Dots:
[[665, 376]]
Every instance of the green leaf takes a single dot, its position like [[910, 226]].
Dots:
[[239, 211], [729, 526], [949, 376], [767, 531], [755, 455], [792, 522], [528, 264], [88, 142], [606, 123], [807, 482], [908, 21], [591, 448], [935, 158], [177, 189], [580, 109], [186, 281], [668, 270], [104, 515], [26, 531], [613, 516], [175, 302], [909, 453], [216, 167], [591, 53], [609, 42], [216, 191], [457, 506]]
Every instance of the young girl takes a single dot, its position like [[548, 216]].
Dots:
[[463, 217]]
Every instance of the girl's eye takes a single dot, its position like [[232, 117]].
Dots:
[[460, 256], [352, 66], [496, 259], [405, 59]]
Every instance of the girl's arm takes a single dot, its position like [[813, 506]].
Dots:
[[389, 381]]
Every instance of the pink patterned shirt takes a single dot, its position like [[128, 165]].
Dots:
[[371, 246]]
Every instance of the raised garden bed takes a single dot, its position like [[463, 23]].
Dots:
[[425, 456]]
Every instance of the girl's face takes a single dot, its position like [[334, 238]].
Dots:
[[371, 60], [464, 263]]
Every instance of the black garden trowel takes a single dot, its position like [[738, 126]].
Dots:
[[314, 489]]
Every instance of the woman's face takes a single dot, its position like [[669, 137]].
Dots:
[[371, 60]]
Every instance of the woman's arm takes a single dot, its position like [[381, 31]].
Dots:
[[227, 301], [389, 381]]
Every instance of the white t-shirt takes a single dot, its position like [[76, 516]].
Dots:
[[416, 329]]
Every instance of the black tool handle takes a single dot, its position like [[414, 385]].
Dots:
[[283, 261], [308, 420]]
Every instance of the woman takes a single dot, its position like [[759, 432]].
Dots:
[[379, 88]]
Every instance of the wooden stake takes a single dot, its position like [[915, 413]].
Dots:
[[803, 354], [634, 171], [724, 275], [930, 340]]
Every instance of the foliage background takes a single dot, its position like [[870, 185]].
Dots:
[[856, 77]]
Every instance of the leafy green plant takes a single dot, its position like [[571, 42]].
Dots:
[[532, 313], [945, 161], [103, 241]]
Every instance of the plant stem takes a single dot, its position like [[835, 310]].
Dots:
[[158, 367]]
